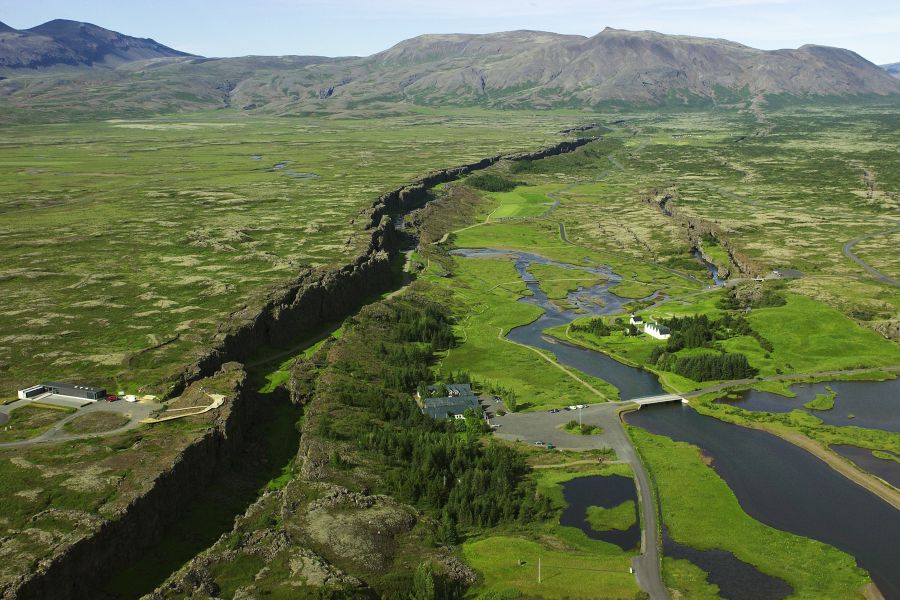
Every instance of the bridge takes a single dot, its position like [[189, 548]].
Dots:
[[647, 400]]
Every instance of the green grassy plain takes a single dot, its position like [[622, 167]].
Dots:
[[486, 292], [510, 563], [125, 243], [522, 202]]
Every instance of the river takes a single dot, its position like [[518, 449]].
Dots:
[[788, 488], [869, 404], [775, 482], [594, 301]]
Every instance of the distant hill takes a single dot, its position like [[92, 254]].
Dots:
[[517, 69], [543, 69], [72, 43], [893, 69]]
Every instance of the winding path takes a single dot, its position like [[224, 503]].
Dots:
[[136, 413], [848, 252]]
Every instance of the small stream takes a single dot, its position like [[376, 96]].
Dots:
[[713, 269]]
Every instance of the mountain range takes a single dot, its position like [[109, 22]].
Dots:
[[114, 74], [62, 42]]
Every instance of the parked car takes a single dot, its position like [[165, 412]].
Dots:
[[553, 410], [111, 398], [539, 443], [551, 446], [573, 407], [580, 406]]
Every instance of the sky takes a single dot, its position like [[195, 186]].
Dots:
[[363, 27]]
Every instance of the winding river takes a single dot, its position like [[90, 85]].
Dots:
[[594, 301], [775, 482]]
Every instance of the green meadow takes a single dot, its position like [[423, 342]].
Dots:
[[125, 243], [520, 203], [807, 336], [571, 564]]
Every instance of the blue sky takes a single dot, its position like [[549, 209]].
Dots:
[[360, 27]]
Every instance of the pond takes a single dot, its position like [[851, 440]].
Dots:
[[885, 468], [736, 579], [606, 491], [869, 404]]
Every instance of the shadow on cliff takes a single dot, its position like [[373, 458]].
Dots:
[[271, 444]]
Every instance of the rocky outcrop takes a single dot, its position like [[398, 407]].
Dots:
[[696, 229], [889, 329], [298, 307]]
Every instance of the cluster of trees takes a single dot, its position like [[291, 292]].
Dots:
[[469, 485], [430, 325], [708, 366], [424, 462], [601, 328], [491, 182], [699, 331], [595, 326]]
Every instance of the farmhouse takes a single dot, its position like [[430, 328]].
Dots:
[[459, 399], [636, 320], [660, 332], [68, 390]]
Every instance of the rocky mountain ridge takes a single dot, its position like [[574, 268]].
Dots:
[[72, 43], [516, 69]]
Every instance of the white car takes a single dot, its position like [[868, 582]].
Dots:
[[580, 406], [573, 407]]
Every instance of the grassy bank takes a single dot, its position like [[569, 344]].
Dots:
[[710, 517]]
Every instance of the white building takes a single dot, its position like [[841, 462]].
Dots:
[[660, 332], [635, 320]]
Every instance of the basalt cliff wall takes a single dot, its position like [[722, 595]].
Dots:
[[296, 309], [292, 311], [696, 229], [73, 571]]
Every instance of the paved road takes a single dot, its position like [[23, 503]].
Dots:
[[137, 411], [848, 252], [546, 427]]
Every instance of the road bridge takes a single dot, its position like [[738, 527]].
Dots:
[[662, 399]]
